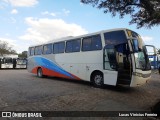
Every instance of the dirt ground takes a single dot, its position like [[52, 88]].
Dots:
[[22, 91]]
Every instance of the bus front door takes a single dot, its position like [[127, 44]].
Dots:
[[124, 65], [110, 65]]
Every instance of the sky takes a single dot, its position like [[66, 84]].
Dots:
[[28, 22]]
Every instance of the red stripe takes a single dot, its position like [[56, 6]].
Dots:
[[53, 73]]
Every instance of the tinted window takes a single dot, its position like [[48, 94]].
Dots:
[[47, 49], [59, 47], [135, 45], [86, 44], [38, 50], [115, 37], [21, 61], [92, 43], [55, 48], [76, 45], [7, 60], [69, 45], [73, 46], [96, 43], [134, 34], [32, 51]]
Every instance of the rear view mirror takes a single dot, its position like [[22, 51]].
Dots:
[[151, 50]]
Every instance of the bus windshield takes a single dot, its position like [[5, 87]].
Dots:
[[6, 60], [21, 61], [140, 54]]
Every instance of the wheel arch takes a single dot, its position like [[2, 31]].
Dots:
[[93, 73], [42, 74], [39, 68]]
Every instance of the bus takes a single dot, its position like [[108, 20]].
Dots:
[[6, 62], [12, 62], [155, 61], [20, 63], [111, 57]]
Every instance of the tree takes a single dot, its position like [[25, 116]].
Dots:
[[6, 49], [145, 13], [23, 54]]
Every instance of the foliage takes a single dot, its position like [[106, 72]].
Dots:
[[145, 13], [6, 49], [23, 54]]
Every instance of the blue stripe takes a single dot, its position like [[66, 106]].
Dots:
[[51, 66]]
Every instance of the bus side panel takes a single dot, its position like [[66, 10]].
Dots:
[[48, 68], [110, 77], [31, 65], [69, 65], [81, 64], [93, 67]]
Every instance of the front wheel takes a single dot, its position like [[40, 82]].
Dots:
[[97, 80], [40, 73]]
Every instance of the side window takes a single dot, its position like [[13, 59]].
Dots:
[[69, 45], [47, 49], [110, 62], [73, 46], [115, 37], [92, 43], [31, 51], [38, 50], [55, 48], [86, 44], [76, 45], [134, 34], [135, 45], [96, 43], [58, 47], [61, 47]]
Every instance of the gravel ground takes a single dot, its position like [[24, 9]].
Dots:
[[22, 91]]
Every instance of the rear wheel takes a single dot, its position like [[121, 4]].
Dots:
[[97, 79], [40, 73]]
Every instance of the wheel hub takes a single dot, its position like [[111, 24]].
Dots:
[[98, 79]]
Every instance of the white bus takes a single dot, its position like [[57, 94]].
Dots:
[[111, 57], [12, 62], [6, 62], [20, 63]]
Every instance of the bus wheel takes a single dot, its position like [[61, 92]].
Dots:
[[97, 80], [39, 73]]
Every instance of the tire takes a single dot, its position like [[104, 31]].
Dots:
[[40, 73], [97, 80]]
